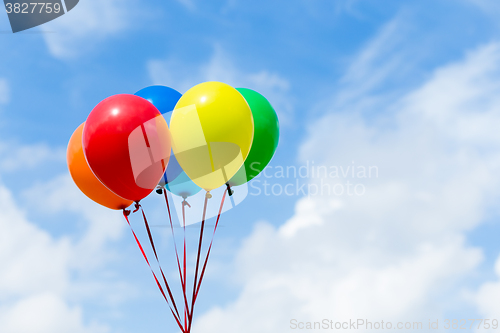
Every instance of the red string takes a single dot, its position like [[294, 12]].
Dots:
[[186, 307], [125, 214], [185, 318], [183, 277], [173, 236], [211, 242], [197, 262], [157, 260], [188, 313]]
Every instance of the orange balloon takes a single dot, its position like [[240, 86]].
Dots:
[[85, 179]]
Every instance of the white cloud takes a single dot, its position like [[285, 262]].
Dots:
[[45, 313], [24, 249], [35, 280], [82, 28], [16, 157], [487, 296], [4, 91], [48, 279], [220, 67], [399, 251], [104, 225]]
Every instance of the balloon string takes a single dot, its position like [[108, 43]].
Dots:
[[173, 236], [197, 262], [126, 213], [211, 242], [185, 319], [157, 260], [183, 278], [186, 307]]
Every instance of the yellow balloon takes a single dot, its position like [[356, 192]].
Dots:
[[212, 132]]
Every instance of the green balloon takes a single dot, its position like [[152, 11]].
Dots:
[[265, 138]]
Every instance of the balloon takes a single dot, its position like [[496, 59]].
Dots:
[[265, 138], [212, 131], [172, 172], [182, 186], [85, 179], [126, 142], [163, 98]]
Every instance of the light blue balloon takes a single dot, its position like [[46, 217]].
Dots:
[[182, 186]]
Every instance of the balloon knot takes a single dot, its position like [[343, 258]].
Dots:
[[137, 207], [185, 203], [209, 196], [126, 212], [159, 190], [229, 190]]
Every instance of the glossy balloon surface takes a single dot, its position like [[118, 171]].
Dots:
[[212, 131], [85, 179], [163, 98], [265, 139], [183, 186], [126, 142]]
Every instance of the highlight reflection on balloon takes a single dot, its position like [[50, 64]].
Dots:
[[265, 139], [85, 179], [212, 130], [126, 142]]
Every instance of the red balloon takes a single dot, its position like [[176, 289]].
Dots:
[[126, 142]]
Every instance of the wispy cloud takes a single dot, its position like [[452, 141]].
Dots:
[[16, 157], [88, 24], [221, 67], [488, 6], [387, 61], [189, 4]]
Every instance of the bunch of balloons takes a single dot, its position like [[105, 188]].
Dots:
[[217, 136]]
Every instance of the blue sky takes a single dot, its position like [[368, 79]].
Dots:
[[410, 87]]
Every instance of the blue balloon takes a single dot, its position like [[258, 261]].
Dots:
[[183, 186], [163, 98], [172, 172]]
